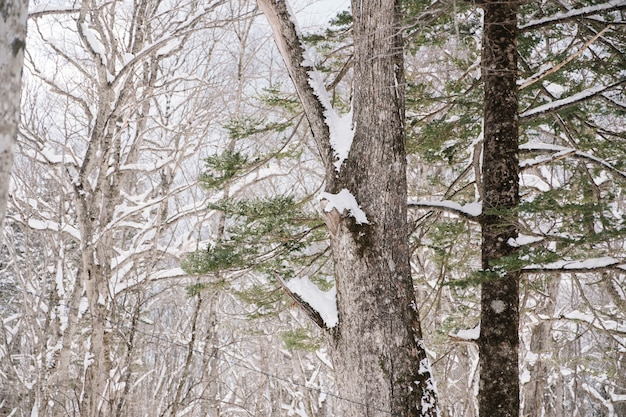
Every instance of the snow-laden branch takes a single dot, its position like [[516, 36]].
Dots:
[[608, 6], [603, 324], [568, 101], [470, 211], [561, 152], [332, 133], [466, 335], [320, 306], [584, 266], [50, 226], [523, 240]]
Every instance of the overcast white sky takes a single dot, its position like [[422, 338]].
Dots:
[[317, 12]]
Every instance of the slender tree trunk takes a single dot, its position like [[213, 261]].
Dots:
[[499, 337], [536, 402], [380, 360], [13, 14]]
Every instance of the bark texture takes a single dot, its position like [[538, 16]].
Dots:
[[380, 363], [499, 339], [13, 14]]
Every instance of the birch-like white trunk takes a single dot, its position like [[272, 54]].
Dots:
[[13, 14]]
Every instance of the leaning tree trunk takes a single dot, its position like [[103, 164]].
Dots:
[[13, 14], [499, 381], [381, 367]]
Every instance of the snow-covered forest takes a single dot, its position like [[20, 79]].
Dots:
[[170, 243]]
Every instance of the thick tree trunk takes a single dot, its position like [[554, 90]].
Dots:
[[13, 14], [499, 339], [380, 361], [379, 356]]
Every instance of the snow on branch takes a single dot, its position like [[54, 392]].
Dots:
[[523, 240], [584, 266], [320, 306], [466, 335], [568, 101], [608, 325], [51, 226], [608, 6], [470, 211], [561, 152], [92, 40], [333, 133]]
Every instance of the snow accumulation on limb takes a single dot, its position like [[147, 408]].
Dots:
[[568, 101], [593, 320], [522, 240], [470, 211], [344, 202], [93, 42], [309, 83], [587, 265], [608, 6], [339, 126], [466, 335], [561, 152], [321, 306]]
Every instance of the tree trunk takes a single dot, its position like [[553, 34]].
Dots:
[[537, 402], [499, 340], [13, 14], [378, 353]]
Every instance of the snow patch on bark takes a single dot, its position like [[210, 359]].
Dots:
[[498, 306], [344, 201], [428, 401]]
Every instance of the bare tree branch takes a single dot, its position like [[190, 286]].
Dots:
[[292, 51]]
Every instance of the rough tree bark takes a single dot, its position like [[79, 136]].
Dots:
[[380, 361], [13, 14], [499, 339]]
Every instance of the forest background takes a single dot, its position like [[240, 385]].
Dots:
[[162, 148]]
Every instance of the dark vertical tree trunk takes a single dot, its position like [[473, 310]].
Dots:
[[380, 362], [499, 338]]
